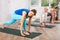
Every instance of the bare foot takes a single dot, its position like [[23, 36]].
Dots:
[[26, 33], [3, 26], [22, 34]]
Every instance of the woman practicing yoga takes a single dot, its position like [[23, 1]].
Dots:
[[22, 15]]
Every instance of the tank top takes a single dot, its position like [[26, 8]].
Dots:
[[20, 11]]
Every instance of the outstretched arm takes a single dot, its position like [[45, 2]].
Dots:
[[29, 24], [22, 20]]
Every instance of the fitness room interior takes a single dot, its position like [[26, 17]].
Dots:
[[44, 26]]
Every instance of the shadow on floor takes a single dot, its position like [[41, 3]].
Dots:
[[37, 24], [47, 26], [37, 20], [17, 32], [57, 22]]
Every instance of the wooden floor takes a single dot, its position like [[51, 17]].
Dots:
[[47, 33]]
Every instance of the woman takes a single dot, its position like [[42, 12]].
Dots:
[[52, 11], [43, 18], [22, 15]]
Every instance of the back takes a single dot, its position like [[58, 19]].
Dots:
[[20, 11]]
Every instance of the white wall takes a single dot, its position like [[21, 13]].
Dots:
[[59, 11], [39, 9], [17, 4], [7, 6], [3, 10]]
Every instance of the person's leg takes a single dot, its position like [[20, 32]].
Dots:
[[53, 19], [50, 19], [25, 27], [19, 17], [14, 18], [10, 21]]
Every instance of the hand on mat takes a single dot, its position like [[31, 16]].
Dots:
[[52, 22], [42, 24]]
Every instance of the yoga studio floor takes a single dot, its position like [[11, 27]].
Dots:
[[49, 32]]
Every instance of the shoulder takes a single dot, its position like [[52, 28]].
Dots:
[[24, 12]]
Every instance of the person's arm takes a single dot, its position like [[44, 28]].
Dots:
[[29, 23], [22, 20]]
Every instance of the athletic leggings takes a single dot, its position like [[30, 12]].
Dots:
[[14, 18]]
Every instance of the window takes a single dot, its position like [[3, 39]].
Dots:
[[45, 3], [54, 3], [34, 2]]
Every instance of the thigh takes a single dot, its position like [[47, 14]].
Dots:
[[16, 17]]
